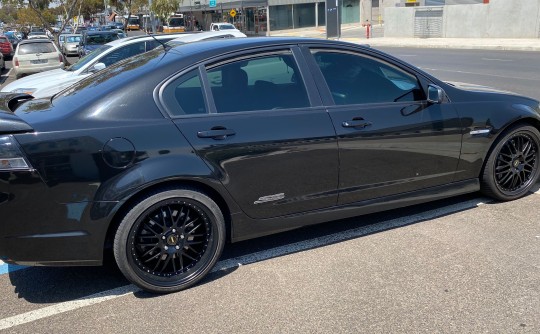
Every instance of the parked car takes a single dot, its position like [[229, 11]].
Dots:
[[92, 40], [49, 83], [6, 48], [71, 44], [36, 55], [204, 36], [37, 35], [13, 38], [166, 155], [222, 26], [121, 33]]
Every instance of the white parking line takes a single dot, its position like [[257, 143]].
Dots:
[[243, 260]]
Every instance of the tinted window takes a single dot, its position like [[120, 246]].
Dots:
[[354, 79], [100, 39], [123, 53], [31, 48], [184, 96], [3, 40], [261, 83]]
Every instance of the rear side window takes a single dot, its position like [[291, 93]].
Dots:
[[31, 48], [260, 83], [184, 96]]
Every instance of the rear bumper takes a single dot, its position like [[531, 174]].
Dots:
[[37, 230], [31, 69]]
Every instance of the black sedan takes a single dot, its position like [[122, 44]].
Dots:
[[166, 156]]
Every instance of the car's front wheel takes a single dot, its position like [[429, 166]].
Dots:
[[512, 167], [170, 240]]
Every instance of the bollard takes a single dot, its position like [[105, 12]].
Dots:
[[367, 30]]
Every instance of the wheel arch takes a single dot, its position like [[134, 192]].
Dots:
[[168, 184], [531, 121]]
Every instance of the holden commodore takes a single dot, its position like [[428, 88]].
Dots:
[[232, 139]]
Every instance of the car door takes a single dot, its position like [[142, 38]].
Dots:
[[261, 127], [391, 140]]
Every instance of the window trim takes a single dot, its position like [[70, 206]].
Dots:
[[305, 74], [324, 90]]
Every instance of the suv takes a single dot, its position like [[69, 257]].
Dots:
[[51, 82], [92, 40], [6, 47]]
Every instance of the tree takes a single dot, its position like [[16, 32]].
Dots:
[[132, 6], [41, 10], [164, 8]]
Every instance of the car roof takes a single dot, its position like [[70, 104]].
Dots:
[[28, 41], [134, 39], [208, 35], [100, 33]]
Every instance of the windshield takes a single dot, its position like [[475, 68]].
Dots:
[[176, 22], [31, 48], [73, 39], [226, 26], [99, 39], [88, 58]]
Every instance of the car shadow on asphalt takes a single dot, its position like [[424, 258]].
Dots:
[[45, 285]]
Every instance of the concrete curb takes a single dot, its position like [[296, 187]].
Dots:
[[502, 44], [450, 43]]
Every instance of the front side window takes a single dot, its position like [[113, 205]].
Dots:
[[262, 82], [355, 79]]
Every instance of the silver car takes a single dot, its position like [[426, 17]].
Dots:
[[36, 55], [71, 44]]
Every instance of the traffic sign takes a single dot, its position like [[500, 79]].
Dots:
[[232, 13], [212, 3]]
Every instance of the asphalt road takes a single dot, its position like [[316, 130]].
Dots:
[[462, 265]]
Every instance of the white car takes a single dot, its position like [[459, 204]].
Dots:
[[206, 35], [36, 55], [221, 26], [51, 82]]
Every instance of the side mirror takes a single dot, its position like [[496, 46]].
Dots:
[[97, 67], [435, 94]]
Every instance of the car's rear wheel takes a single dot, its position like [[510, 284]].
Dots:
[[169, 240], [512, 167]]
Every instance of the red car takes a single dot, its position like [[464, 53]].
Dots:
[[5, 47]]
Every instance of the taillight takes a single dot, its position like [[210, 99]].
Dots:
[[16, 61], [11, 157], [61, 58]]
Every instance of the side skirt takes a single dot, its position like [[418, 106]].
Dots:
[[248, 228]]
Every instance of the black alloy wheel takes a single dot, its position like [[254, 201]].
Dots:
[[170, 240], [513, 165]]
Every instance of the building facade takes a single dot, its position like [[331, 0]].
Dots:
[[259, 17]]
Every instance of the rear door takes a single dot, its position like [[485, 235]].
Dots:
[[261, 128]]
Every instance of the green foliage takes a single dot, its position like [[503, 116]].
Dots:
[[163, 8]]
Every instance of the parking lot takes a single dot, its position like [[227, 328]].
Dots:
[[461, 265]]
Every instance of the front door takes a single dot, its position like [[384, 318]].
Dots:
[[390, 139]]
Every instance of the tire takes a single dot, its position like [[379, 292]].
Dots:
[[512, 167], [169, 240]]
